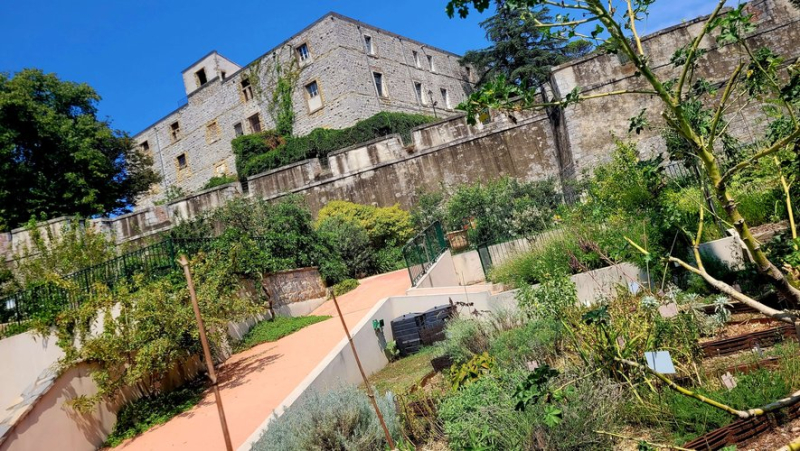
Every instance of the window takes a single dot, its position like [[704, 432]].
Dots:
[[222, 75], [379, 86], [418, 92], [313, 97], [201, 77], [212, 132], [302, 53], [181, 160], [446, 98], [221, 170], [145, 147], [237, 129], [255, 122], [469, 73], [247, 90], [416, 59], [368, 47], [430, 63], [175, 131]]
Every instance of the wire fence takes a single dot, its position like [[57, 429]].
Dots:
[[421, 252]]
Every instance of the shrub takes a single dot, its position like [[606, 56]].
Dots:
[[219, 180], [268, 150], [345, 286], [482, 415], [548, 300], [585, 405], [465, 338], [536, 340], [341, 419], [350, 241], [502, 209], [138, 416]]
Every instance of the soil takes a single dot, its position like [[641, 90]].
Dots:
[[765, 232], [775, 438]]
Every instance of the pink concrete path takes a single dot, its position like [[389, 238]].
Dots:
[[255, 381]]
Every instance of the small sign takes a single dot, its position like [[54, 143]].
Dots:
[[532, 365], [660, 362], [669, 310], [634, 287], [620, 342], [729, 381]]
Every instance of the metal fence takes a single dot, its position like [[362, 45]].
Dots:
[[48, 299], [422, 251]]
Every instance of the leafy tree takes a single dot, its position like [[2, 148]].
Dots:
[[520, 50], [56, 156]]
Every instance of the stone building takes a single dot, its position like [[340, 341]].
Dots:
[[348, 71]]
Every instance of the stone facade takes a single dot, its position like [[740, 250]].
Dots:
[[296, 285], [338, 55]]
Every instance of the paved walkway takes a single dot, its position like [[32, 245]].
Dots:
[[254, 382]]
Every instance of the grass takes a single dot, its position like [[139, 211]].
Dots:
[[281, 326], [149, 411], [399, 376]]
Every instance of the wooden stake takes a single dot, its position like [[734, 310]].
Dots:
[[370, 394], [184, 262]]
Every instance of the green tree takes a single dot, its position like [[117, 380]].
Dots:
[[56, 156], [519, 49]]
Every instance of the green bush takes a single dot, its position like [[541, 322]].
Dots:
[[586, 405], [138, 416], [501, 209], [345, 286], [465, 338], [350, 242], [482, 415], [536, 340], [549, 299], [264, 151], [219, 180], [341, 419], [273, 330]]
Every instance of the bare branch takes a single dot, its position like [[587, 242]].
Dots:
[[723, 287]]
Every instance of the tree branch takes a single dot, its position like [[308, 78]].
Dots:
[[695, 45], [632, 18], [722, 102], [761, 154], [779, 315]]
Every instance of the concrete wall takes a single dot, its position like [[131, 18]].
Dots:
[[441, 274], [23, 358]]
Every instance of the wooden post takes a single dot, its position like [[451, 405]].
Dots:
[[370, 394], [184, 262]]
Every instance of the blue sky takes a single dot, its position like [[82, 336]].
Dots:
[[132, 52]]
